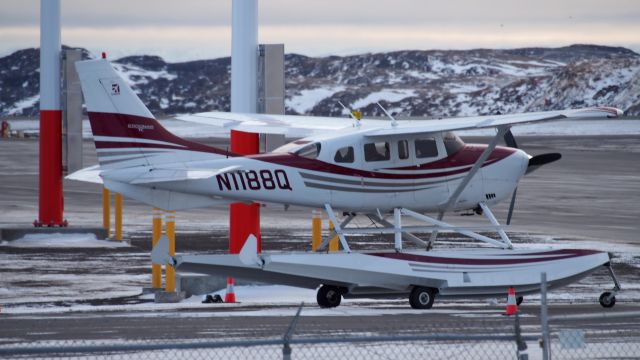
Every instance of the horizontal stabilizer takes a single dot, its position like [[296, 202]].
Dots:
[[163, 199], [90, 174], [164, 174]]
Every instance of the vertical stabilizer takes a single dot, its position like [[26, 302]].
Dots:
[[125, 132]]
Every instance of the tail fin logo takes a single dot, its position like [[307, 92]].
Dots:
[[140, 127], [115, 89]]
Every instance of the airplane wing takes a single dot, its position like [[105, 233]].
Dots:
[[293, 126], [296, 126], [479, 122]]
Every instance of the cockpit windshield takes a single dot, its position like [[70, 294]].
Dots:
[[302, 148], [452, 143], [291, 147], [310, 151]]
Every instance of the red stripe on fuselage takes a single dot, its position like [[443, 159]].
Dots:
[[138, 127], [127, 144], [465, 158]]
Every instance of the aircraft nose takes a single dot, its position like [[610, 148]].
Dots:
[[523, 160]]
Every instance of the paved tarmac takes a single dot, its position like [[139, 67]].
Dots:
[[211, 324], [592, 193]]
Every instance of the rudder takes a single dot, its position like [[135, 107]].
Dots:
[[125, 132]]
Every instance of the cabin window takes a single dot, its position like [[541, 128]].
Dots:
[[426, 148], [452, 143], [310, 151], [403, 149], [377, 151], [344, 155]]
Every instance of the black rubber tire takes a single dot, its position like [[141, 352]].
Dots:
[[329, 296], [422, 297], [519, 300], [606, 301]]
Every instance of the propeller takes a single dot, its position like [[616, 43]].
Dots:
[[542, 159], [534, 163], [510, 141]]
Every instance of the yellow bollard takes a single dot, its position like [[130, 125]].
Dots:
[[170, 272], [156, 269], [334, 244], [106, 211], [316, 230], [118, 215]]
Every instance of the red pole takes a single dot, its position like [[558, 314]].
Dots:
[[51, 205], [51, 201], [244, 219]]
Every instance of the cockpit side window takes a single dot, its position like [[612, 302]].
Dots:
[[403, 149], [426, 148], [378, 151], [310, 151], [452, 143], [344, 155]]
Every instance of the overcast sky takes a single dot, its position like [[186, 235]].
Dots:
[[196, 29]]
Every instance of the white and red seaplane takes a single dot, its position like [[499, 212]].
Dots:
[[385, 170]]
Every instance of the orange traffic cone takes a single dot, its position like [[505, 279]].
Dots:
[[230, 297], [512, 307]]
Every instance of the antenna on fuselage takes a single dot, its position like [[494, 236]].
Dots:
[[394, 123], [354, 114]]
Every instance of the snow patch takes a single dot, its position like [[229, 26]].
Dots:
[[390, 95], [135, 75], [306, 99], [422, 75], [464, 88], [59, 240], [20, 106]]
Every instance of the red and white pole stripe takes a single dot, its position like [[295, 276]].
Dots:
[[244, 219], [51, 203]]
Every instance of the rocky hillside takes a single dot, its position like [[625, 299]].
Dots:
[[430, 83]]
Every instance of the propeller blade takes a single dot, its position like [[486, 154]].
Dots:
[[510, 141], [513, 202], [542, 159]]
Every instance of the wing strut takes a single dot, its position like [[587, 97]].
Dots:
[[503, 244], [337, 227], [405, 235], [453, 199], [503, 235]]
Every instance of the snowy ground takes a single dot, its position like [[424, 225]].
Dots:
[[76, 273], [58, 296]]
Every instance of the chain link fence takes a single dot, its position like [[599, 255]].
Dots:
[[307, 338], [606, 335], [595, 336], [583, 337], [441, 347]]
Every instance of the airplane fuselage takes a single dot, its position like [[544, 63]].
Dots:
[[401, 176]]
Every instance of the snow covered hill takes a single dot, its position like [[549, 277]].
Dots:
[[432, 83]]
